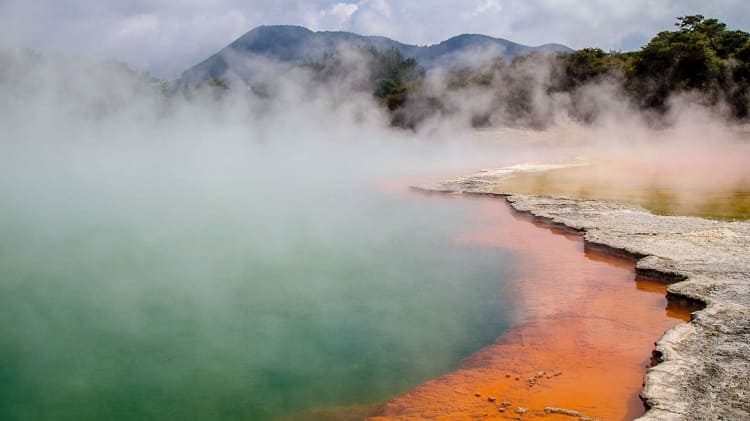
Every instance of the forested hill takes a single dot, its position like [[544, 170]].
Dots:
[[297, 45], [701, 56]]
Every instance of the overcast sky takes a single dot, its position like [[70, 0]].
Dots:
[[167, 36]]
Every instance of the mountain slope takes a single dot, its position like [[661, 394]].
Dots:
[[299, 44]]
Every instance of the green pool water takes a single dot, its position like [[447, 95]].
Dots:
[[216, 297]]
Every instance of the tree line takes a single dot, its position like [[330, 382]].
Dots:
[[701, 56], [701, 59]]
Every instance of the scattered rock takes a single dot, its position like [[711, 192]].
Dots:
[[507, 375], [561, 411], [491, 398], [555, 374], [521, 410], [477, 394], [532, 381], [505, 403], [501, 409]]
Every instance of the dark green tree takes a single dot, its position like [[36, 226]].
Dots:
[[394, 76], [693, 58]]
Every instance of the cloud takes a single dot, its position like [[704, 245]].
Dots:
[[167, 36], [139, 25], [487, 6], [334, 17]]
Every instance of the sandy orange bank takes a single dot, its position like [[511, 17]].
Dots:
[[585, 330]]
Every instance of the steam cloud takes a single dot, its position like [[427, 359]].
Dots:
[[95, 148], [108, 124]]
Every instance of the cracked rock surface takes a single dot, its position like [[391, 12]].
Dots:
[[703, 370]]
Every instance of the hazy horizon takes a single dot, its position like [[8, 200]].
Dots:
[[165, 38]]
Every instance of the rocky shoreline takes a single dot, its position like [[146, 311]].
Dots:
[[702, 368]]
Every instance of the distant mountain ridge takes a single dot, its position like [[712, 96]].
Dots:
[[288, 43]]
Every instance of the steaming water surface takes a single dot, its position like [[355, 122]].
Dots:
[[198, 288]]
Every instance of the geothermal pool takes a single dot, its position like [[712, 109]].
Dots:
[[231, 284], [235, 304]]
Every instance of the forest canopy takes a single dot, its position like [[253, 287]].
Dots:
[[701, 56]]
